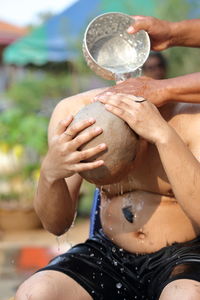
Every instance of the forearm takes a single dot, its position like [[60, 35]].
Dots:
[[183, 172], [181, 89], [54, 205], [185, 33]]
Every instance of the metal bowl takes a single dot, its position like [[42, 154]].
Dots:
[[109, 50]]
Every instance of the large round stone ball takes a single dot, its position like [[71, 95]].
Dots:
[[121, 144]]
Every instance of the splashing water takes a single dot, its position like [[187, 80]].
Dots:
[[118, 285], [58, 243], [119, 77]]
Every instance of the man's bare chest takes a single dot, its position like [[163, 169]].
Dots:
[[146, 174]]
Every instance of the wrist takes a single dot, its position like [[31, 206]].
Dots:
[[159, 92], [169, 90], [179, 32], [165, 136], [46, 176]]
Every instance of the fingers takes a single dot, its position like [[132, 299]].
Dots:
[[123, 105], [107, 92], [116, 110], [119, 100], [86, 137], [60, 128], [78, 159], [140, 23], [87, 166], [74, 129], [82, 156]]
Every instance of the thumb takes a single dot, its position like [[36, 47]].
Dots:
[[139, 23]]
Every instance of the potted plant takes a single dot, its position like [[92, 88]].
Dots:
[[22, 144]]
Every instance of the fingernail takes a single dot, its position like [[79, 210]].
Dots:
[[98, 129], [91, 120], [102, 146], [68, 118], [130, 29], [107, 106]]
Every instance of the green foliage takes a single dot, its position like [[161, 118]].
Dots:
[[30, 93], [29, 130], [181, 60], [27, 94]]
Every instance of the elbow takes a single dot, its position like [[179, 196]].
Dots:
[[57, 230]]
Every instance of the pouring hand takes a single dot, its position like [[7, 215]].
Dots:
[[151, 89], [160, 31]]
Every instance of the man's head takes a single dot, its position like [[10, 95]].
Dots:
[[155, 66]]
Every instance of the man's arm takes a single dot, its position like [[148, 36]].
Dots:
[[164, 34], [59, 183], [180, 89], [180, 164]]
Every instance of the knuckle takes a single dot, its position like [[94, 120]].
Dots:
[[79, 139], [72, 128], [83, 155], [61, 123]]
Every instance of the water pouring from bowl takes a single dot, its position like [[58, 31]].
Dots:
[[110, 51]]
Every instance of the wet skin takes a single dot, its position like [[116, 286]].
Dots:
[[140, 213]]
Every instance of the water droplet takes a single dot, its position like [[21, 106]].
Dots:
[[102, 285], [115, 263], [113, 249], [92, 254], [119, 285], [58, 243], [121, 190]]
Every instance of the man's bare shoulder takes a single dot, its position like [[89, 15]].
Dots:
[[70, 106], [187, 108], [186, 121], [74, 103]]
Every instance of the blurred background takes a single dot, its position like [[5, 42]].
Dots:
[[41, 62]]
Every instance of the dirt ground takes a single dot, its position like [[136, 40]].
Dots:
[[23, 252]]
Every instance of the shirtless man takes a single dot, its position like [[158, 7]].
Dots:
[[154, 252]]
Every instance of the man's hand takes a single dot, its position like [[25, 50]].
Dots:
[[148, 88], [140, 114], [64, 157], [160, 31]]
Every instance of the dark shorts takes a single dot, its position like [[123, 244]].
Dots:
[[108, 272]]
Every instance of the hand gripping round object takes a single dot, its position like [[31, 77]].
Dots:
[[121, 144]]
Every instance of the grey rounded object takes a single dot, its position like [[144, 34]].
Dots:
[[121, 144]]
